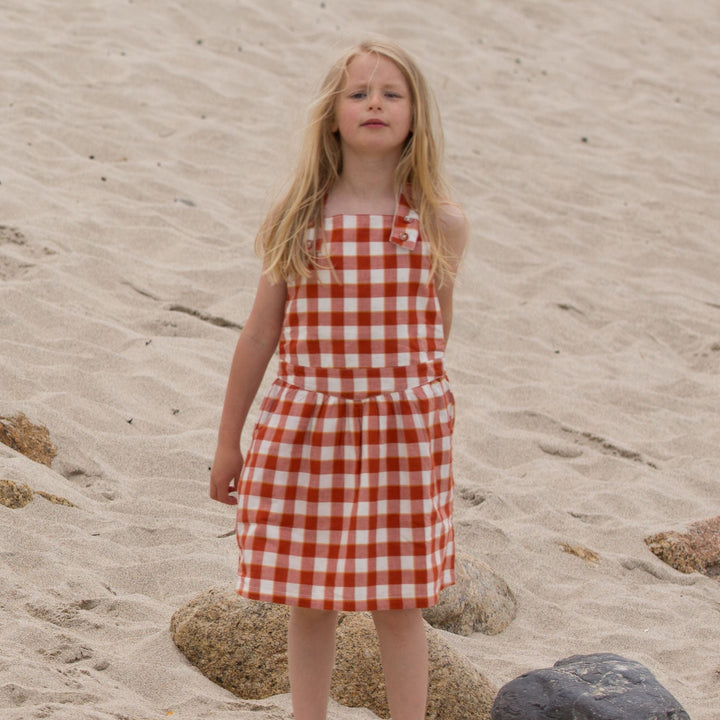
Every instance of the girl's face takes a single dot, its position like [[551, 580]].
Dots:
[[373, 111]]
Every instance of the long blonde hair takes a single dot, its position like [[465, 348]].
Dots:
[[282, 240]]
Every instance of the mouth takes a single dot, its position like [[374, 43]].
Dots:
[[374, 123]]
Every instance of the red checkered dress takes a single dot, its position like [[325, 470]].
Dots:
[[345, 499]]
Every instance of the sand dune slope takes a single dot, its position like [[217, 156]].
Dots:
[[140, 144]]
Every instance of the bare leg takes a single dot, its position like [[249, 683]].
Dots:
[[403, 647], [311, 655]]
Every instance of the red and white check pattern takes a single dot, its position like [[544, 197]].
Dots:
[[345, 500]]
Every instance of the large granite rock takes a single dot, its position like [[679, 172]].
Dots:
[[479, 601], [242, 646], [588, 687], [697, 550]]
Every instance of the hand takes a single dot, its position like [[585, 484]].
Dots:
[[225, 474]]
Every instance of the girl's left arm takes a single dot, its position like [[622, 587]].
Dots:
[[455, 229]]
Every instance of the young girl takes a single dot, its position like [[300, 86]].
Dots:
[[345, 496]]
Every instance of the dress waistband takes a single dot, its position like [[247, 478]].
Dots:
[[357, 383]]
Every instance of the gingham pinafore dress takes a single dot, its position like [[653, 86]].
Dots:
[[345, 498]]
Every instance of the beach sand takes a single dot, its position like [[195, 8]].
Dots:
[[141, 144]]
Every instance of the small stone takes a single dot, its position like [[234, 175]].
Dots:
[[589, 556], [602, 686], [55, 499], [33, 441], [14, 495], [17, 495]]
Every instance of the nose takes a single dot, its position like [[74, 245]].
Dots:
[[374, 100]]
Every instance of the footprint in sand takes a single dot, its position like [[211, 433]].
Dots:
[[16, 253]]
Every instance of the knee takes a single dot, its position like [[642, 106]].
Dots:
[[307, 617], [397, 622]]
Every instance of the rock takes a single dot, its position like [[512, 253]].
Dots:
[[588, 687], [238, 644], [457, 691], [55, 499], [242, 646], [17, 495], [589, 556], [697, 550], [14, 495], [33, 441], [480, 601]]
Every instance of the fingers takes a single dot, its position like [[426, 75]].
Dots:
[[225, 474], [223, 486], [223, 489]]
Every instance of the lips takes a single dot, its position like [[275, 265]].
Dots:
[[374, 123]]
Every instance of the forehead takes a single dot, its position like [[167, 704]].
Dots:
[[371, 67]]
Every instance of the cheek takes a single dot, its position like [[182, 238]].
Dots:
[[409, 123], [340, 118]]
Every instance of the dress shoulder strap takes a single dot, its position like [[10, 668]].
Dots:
[[406, 225]]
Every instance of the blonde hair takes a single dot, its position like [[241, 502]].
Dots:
[[282, 237]]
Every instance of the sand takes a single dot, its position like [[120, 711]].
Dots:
[[141, 143]]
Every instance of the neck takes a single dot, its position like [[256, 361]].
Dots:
[[367, 184]]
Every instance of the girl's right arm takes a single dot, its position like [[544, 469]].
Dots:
[[255, 346]]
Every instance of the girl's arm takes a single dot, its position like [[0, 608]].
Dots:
[[455, 228], [255, 346]]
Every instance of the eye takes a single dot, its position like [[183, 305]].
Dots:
[[358, 95]]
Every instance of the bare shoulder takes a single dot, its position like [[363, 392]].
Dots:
[[454, 226], [451, 213]]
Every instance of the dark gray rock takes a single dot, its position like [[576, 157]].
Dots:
[[587, 687], [479, 601]]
